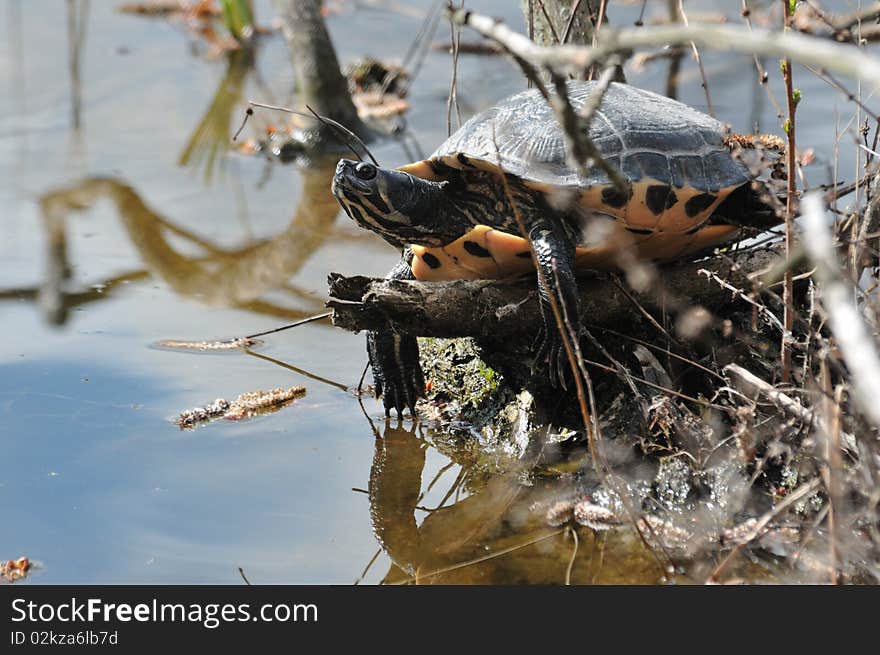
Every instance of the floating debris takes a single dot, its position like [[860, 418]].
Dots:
[[199, 10], [248, 404], [656, 530], [369, 74], [665, 534], [595, 516], [191, 417], [377, 88], [559, 513], [245, 406], [12, 570], [204, 346], [772, 538], [374, 104]]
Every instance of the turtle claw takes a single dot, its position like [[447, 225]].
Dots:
[[550, 352], [402, 394], [558, 365], [397, 374], [562, 367]]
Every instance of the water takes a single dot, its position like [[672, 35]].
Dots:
[[121, 227]]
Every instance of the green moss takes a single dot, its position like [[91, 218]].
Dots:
[[457, 374]]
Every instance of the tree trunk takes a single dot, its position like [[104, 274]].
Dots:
[[322, 86], [548, 26], [551, 22]]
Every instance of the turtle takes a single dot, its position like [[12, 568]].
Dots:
[[455, 217]]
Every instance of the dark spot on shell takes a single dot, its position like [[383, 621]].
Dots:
[[463, 160], [524, 255], [614, 198], [699, 203], [475, 249], [430, 260], [659, 197], [639, 230]]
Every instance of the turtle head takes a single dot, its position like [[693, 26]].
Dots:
[[400, 207]]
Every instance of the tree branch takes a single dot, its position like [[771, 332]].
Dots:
[[572, 59], [499, 309]]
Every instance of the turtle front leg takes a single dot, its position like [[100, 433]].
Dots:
[[555, 250], [394, 358]]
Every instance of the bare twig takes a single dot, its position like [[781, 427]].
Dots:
[[703, 81], [755, 385], [801, 492], [337, 128], [763, 77], [864, 14], [577, 125], [568, 336], [574, 550], [833, 467], [452, 100], [791, 190]]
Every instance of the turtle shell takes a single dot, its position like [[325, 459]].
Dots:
[[673, 156]]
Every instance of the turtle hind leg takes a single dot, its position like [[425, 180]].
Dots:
[[394, 358], [554, 250]]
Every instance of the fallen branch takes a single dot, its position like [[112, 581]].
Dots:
[[499, 309], [751, 384]]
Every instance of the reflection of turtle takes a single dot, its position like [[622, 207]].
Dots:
[[684, 193]]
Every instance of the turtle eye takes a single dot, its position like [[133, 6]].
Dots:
[[365, 171]]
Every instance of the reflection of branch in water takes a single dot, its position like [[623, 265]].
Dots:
[[217, 276], [76, 38], [295, 369], [209, 142], [56, 301], [237, 277]]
